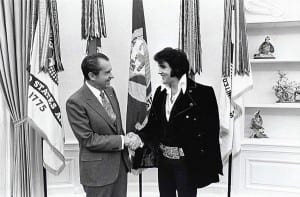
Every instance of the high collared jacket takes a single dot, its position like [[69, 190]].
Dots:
[[193, 125], [100, 144]]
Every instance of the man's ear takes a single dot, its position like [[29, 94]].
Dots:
[[91, 75]]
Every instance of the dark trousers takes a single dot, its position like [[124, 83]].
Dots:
[[173, 176], [116, 189]]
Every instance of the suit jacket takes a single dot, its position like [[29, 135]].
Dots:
[[100, 144], [193, 125]]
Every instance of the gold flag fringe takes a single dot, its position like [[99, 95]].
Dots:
[[243, 68], [189, 34], [227, 39], [49, 38], [243, 65], [93, 21]]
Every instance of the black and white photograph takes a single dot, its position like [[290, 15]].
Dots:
[[149, 98]]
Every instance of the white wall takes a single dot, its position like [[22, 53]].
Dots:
[[72, 53], [272, 10], [162, 24]]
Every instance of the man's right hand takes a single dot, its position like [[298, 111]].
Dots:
[[132, 141]]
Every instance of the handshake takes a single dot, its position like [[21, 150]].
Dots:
[[132, 141]]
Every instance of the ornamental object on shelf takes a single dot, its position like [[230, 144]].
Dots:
[[266, 50], [297, 94], [257, 130], [286, 91]]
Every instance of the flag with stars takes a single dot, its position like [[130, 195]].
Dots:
[[43, 107]]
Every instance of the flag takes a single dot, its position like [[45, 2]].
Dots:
[[139, 85], [190, 41], [236, 79], [93, 26], [43, 107]]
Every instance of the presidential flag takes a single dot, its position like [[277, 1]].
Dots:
[[236, 78], [43, 106], [139, 85]]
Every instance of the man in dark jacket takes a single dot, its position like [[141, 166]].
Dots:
[[183, 124]]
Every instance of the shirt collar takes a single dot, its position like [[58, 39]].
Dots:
[[94, 90], [181, 85]]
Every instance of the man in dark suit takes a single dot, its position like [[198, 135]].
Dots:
[[183, 125], [94, 115]]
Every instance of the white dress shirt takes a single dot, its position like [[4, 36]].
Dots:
[[97, 92], [171, 99]]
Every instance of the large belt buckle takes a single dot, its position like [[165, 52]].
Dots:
[[171, 152]]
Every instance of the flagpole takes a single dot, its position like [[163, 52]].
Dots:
[[138, 109], [44, 174], [229, 175], [45, 182], [234, 59], [140, 185]]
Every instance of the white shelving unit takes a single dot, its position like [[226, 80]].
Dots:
[[273, 24], [272, 142], [289, 106], [284, 35], [269, 166], [274, 61]]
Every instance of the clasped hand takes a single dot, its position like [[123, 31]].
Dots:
[[132, 141]]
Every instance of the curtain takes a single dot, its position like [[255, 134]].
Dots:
[[15, 44]]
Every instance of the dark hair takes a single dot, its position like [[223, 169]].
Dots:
[[177, 60], [91, 64]]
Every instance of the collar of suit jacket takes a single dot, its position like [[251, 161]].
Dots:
[[182, 85]]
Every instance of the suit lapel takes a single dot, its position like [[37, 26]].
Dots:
[[93, 102], [163, 108], [183, 103]]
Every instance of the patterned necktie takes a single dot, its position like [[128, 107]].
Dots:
[[107, 106]]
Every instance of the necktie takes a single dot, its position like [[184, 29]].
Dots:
[[107, 106]]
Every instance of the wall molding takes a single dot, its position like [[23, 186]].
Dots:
[[274, 182], [248, 163], [270, 148]]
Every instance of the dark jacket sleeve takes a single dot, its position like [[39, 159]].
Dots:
[[214, 128], [150, 133]]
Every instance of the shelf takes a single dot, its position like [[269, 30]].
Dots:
[[274, 61], [271, 24], [271, 142], [275, 106]]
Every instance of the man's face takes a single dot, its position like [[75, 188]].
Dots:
[[164, 70], [102, 79]]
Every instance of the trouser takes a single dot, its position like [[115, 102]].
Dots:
[[173, 176], [116, 189]]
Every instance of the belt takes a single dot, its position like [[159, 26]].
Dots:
[[171, 152]]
